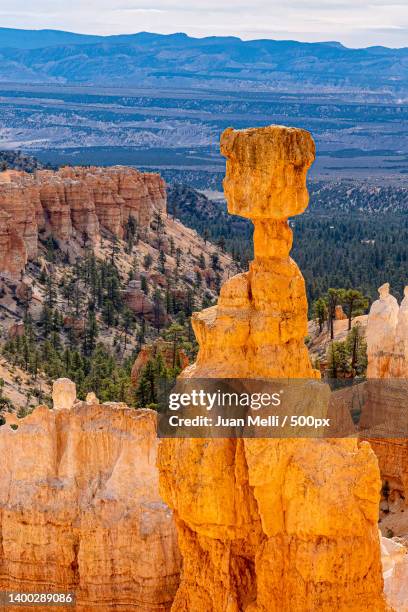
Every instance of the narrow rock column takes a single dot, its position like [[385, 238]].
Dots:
[[63, 394], [269, 525], [399, 360], [381, 329]]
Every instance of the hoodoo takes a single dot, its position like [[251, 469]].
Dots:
[[381, 328], [269, 525], [387, 387]]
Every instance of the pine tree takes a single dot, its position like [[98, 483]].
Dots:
[[147, 261], [334, 298], [320, 312], [355, 304], [162, 261]]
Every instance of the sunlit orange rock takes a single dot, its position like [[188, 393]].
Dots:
[[20, 201], [80, 509], [339, 314], [269, 525], [13, 251]]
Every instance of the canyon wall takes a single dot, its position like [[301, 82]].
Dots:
[[267, 525], [80, 509], [74, 203]]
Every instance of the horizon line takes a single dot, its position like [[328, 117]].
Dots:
[[231, 36]]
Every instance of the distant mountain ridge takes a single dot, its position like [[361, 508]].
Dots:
[[37, 39], [177, 60]]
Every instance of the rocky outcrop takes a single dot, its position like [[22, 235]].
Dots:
[[380, 334], [19, 198], [269, 525], [13, 251], [74, 204], [118, 192], [339, 313], [63, 394], [395, 565], [136, 299], [387, 390], [399, 360], [392, 454], [55, 209], [173, 356], [80, 509]]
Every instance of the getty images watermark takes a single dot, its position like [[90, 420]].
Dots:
[[283, 408]]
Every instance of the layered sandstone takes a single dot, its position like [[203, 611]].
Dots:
[[13, 251], [80, 509], [20, 201], [269, 525], [75, 203]]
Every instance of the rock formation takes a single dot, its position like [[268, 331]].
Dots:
[[136, 299], [20, 201], [399, 360], [386, 399], [339, 313], [380, 333], [395, 565], [73, 203], [80, 509], [269, 525], [171, 356], [392, 455], [63, 394], [13, 252]]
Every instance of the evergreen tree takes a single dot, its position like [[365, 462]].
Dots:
[[320, 312], [147, 261], [334, 298], [162, 261], [355, 304]]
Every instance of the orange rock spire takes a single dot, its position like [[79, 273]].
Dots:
[[269, 525], [261, 315]]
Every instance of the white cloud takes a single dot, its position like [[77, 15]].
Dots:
[[353, 22]]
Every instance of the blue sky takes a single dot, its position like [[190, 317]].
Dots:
[[354, 22]]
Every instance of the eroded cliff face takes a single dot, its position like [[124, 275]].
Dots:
[[80, 509], [75, 203], [269, 525], [13, 251]]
